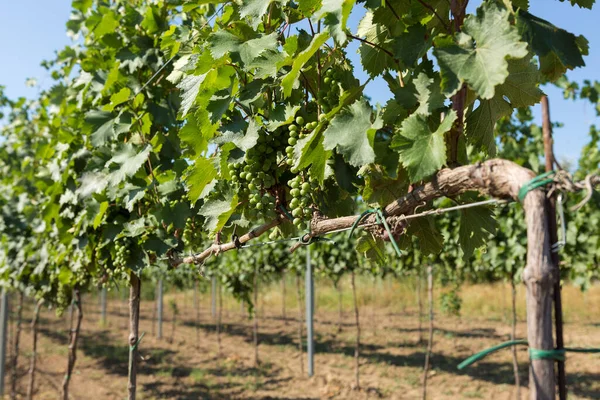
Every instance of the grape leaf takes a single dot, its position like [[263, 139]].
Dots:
[[422, 151], [411, 45], [290, 80], [519, 90], [558, 49], [217, 211], [129, 161], [431, 240], [476, 224], [190, 87], [479, 55], [254, 9], [200, 174], [100, 125], [335, 14], [582, 3], [428, 95], [223, 42], [353, 133]]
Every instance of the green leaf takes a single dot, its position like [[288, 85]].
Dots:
[[479, 55], [382, 189], [422, 151], [223, 42], [100, 125], [335, 14], [190, 87], [98, 218], [431, 240], [129, 161], [519, 90], [108, 24], [353, 133], [217, 212], [372, 248], [234, 133], [429, 96], [558, 49], [118, 98], [476, 224], [202, 172], [290, 80], [582, 3], [411, 45], [255, 10]]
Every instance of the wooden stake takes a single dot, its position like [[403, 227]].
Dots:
[[300, 324], [357, 348], [552, 230], [134, 326], [15, 355], [430, 341], [33, 360], [513, 335], [74, 336]]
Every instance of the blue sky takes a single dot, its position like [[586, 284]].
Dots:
[[32, 30]]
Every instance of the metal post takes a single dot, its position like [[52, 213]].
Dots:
[[103, 305], [310, 307], [213, 296], [159, 308], [3, 332]]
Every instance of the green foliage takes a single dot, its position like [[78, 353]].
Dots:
[[260, 116]]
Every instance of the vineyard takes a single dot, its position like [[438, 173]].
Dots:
[[213, 179]]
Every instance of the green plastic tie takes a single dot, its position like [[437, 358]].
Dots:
[[554, 354], [285, 212], [380, 219], [537, 182], [134, 347], [389, 231], [484, 353], [534, 354]]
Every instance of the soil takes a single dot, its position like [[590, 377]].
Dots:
[[391, 360]]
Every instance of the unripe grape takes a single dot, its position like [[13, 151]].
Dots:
[[295, 192], [293, 128], [292, 141], [300, 120], [306, 186], [297, 221]]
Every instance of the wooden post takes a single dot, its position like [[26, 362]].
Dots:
[[420, 304], [357, 322], [15, 358], [310, 307], [552, 231], [430, 342], [159, 309], [300, 323], [103, 306], [197, 309], [255, 320], [513, 335], [3, 338], [33, 360], [74, 336], [134, 325]]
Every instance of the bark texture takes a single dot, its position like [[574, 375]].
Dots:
[[513, 335], [33, 359], [15, 353], [134, 326], [430, 341], [357, 348], [73, 339], [300, 323]]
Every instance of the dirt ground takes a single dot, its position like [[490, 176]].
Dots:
[[190, 366]]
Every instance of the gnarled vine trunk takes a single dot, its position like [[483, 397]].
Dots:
[[134, 326], [73, 339], [33, 360]]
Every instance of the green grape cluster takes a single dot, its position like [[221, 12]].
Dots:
[[329, 95], [122, 258], [300, 190], [192, 234]]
